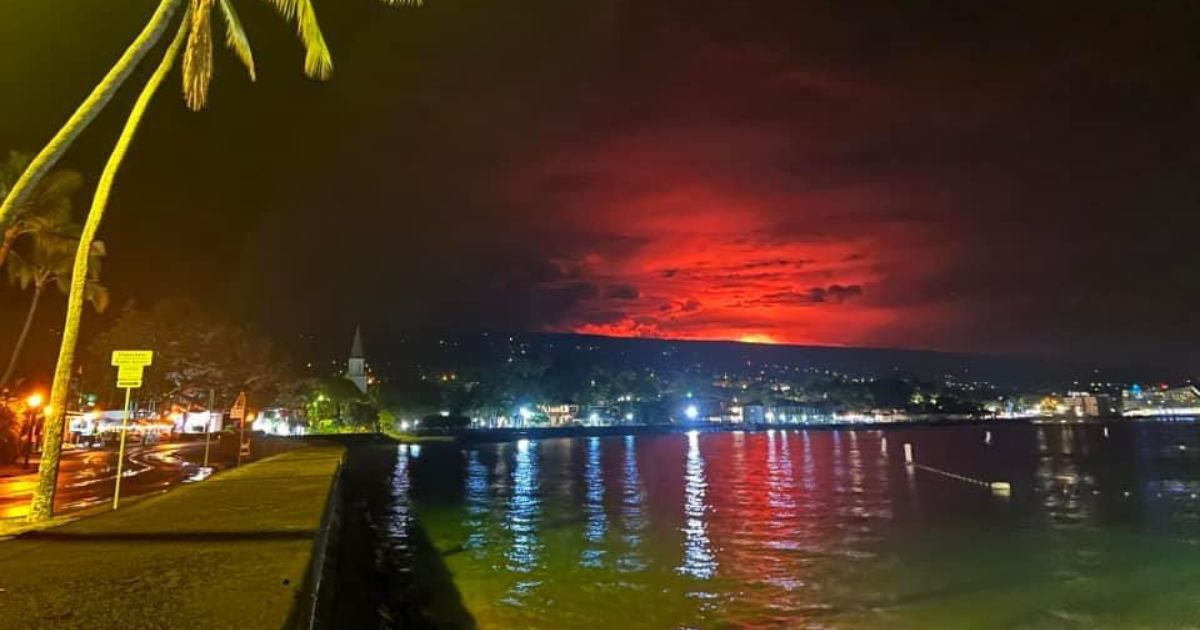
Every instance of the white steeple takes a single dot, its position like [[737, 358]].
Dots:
[[356, 369]]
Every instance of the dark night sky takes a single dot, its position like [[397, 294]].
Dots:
[[1000, 177]]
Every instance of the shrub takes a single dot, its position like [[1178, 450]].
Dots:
[[10, 435]]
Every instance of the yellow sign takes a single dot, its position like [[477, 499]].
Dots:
[[139, 358], [130, 364]]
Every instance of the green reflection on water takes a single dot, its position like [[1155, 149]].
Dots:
[[818, 529]]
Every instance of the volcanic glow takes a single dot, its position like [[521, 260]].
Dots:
[[667, 247]]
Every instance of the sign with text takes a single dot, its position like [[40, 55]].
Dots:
[[129, 364], [239, 407]]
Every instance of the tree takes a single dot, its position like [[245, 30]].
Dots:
[[31, 176], [47, 212], [43, 265], [10, 434], [197, 354], [196, 29]]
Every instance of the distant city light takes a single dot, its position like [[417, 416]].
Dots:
[[444, 413], [691, 412], [594, 417], [525, 413], [629, 416]]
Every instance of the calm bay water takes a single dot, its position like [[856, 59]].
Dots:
[[795, 528]]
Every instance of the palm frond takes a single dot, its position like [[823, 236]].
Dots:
[[318, 63], [21, 271], [97, 294], [235, 37], [95, 259], [54, 192], [197, 56], [56, 240]]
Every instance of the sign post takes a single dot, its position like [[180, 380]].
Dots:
[[239, 411], [129, 364]]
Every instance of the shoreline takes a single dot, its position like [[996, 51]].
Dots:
[[508, 434]]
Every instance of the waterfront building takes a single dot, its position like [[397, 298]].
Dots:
[[1161, 401], [560, 414], [1090, 405]]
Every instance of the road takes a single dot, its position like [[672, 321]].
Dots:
[[86, 477]]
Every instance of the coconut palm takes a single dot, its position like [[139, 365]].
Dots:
[[194, 30], [43, 265], [87, 111], [44, 212]]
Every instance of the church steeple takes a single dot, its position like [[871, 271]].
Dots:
[[356, 368]]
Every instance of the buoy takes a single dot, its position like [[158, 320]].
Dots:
[[1001, 488], [987, 437], [883, 446], [908, 454]]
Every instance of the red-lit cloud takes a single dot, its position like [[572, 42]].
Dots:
[[707, 224]]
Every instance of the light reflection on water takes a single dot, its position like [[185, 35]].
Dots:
[[597, 518], [698, 559], [815, 528], [633, 512]]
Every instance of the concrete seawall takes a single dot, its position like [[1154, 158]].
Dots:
[[245, 549]]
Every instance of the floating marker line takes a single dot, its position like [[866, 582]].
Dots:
[[997, 487]]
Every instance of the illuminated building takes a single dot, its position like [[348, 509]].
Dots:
[[1161, 401], [560, 414], [356, 369], [1089, 405]]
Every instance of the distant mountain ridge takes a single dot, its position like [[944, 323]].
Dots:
[[457, 349]]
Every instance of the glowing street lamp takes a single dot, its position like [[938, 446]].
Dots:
[[691, 412], [32, 404]]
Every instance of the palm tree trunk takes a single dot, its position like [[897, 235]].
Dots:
[[88, 110], [10, 237], [42, 506], [16, 353]]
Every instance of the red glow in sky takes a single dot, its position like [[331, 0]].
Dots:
[[702, 237]]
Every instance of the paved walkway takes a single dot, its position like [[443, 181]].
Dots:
[[231, 552]]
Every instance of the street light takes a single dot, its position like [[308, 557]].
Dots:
[[32, 404]]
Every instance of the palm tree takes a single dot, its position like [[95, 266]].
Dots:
[[196, 30], [47, 210], [46, 264], [88, 110]]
